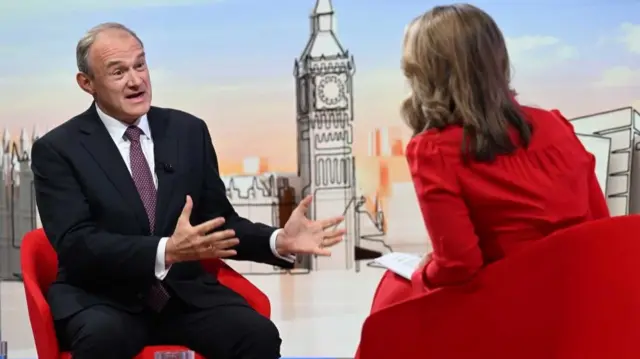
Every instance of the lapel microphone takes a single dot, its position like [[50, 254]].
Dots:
[[165, 167]]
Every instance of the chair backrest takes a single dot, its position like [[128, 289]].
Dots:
[[38, 259], [575, 294], [39, 268]]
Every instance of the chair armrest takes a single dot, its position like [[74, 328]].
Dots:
[[228, 277], [41, 322]]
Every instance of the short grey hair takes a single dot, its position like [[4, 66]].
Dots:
[[85, 43]]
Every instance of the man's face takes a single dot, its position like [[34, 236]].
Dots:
[[119, 78]]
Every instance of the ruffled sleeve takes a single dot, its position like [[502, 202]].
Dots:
[[456, 255]]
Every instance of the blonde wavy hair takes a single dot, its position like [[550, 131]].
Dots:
[[456, 62]]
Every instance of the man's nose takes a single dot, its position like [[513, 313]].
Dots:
[[134, 79]]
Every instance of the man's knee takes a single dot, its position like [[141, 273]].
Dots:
[[263, 336], [105, 335], [230, 332]]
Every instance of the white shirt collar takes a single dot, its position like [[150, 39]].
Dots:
[[116, 128]]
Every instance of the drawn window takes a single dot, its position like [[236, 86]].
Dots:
[[327, 174], [319, 171]]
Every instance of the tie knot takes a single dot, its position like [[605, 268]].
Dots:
[[133, 133]]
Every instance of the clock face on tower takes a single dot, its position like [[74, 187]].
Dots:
[[331, 92]]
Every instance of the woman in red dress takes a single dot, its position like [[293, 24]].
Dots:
[[491, 176]]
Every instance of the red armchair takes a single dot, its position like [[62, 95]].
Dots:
[[39, 267], [573, 295]]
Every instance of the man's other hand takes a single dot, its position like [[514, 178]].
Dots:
[[301, 235], [191, 243]]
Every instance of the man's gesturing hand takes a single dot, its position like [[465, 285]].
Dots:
[[190, 243]]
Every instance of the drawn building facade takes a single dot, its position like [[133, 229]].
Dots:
[[267, 198], [324, 97], [323, 77], [618, 133], [18, 214]]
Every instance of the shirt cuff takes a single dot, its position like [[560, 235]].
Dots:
[[272, 243], [161, 270]]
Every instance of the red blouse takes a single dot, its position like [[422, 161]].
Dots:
[[478, 213]]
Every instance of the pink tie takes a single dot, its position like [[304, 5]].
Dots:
[[158, 295]]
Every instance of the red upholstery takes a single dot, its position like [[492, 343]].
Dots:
[[39, 267], [573, 295]]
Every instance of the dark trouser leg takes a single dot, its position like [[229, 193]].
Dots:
[[223, 332], [103, 332]]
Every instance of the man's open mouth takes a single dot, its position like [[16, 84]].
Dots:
[[135, 95]]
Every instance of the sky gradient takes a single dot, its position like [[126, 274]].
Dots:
[[230, 61]]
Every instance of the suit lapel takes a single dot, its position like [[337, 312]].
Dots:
[[165, 148], [99, 144]]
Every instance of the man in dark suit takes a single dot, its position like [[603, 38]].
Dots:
[[131, 198]]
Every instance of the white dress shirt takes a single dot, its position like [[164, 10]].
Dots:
[[116, 130]]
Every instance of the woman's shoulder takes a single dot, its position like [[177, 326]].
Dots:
[[549, 126], [434, 142], [546, 118], [430, 151]]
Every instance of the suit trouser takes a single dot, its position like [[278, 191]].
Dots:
[[222, 332]]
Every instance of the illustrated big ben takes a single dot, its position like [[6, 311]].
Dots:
[[324, 92]]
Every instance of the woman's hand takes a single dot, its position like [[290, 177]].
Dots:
[[425, 259], [418, 279]]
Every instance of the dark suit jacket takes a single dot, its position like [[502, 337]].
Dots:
[[93, 216]]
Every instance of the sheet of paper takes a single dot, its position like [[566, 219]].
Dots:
[[402, 264]]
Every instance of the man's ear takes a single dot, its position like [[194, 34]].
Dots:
[[85, 83]]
